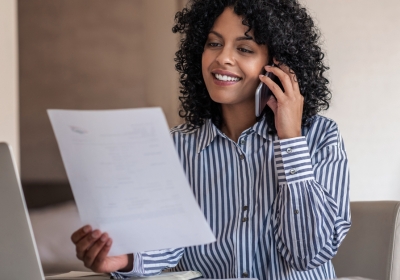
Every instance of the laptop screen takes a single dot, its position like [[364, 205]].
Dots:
[[19, 258]]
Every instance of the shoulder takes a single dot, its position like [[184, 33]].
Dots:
[[180, 128], [323, 123], [190, 140], [184, 133], [183, 129], [322, 131]]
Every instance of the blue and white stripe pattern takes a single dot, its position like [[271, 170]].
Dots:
[[279, 208]]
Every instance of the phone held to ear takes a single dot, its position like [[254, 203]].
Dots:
[[263, 93]]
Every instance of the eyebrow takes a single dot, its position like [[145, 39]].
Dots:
[[237, 39]]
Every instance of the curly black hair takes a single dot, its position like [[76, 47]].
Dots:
[[284, 26]]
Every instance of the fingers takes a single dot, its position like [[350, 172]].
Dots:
[[288, 80], [101, 256], [283, 77], [276, 90], [273, 104], [80, 233], [290, 73], [288, 104], [96, 254], [92, 247], [83, 245]]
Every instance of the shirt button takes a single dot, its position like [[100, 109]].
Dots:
[[245, 275], [241, 156], [292, 171], [245, 208], [296, 211], [242, 142], [289, 150], [244, 220]]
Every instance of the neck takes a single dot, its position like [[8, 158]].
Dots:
[[236, 120]]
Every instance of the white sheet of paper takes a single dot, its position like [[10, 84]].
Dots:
[[127, 179]]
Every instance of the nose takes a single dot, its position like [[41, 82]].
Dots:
[[226, 56]]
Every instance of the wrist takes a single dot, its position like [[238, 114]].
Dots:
[[129, 264], [288, 131], [289, 135]]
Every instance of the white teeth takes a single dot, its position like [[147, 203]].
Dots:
[[226, 78]]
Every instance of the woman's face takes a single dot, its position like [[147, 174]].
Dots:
[[232, 61]]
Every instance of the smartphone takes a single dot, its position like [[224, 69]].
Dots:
[[263, 93]]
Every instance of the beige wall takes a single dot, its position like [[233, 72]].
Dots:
[[363, 45], [9, 131], [160, 79], [98, 54], [92, 54]]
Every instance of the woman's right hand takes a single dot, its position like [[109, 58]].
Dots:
[[92, 247]]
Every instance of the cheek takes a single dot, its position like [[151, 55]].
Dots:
[[257, 67], [253, 70], [204, 64]]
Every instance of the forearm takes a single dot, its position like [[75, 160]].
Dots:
[[151, 263], [129, 264], [309, 225]]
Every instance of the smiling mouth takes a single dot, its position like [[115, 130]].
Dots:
[[226, 78]]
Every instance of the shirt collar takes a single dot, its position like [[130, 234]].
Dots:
[[262, 129], [209, 131]]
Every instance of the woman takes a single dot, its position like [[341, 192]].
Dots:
[[274, 189]]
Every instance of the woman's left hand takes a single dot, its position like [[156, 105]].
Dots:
[[287, 105]]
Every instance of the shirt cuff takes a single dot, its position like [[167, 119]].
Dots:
[[293, 161], [137, 271]]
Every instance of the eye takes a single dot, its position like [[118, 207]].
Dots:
[[244, 50], [213, 45]]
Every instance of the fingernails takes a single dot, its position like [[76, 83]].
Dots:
[[260, 76], [96, 234], [109, 242], [86, 229], [104, 237]]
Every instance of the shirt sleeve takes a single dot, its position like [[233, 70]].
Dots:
[[151, 263], [312, 212]]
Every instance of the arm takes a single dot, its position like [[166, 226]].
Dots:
[[151, 263], [93, 246], [311, 214]]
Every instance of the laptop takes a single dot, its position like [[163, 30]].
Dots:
[[19, 257]]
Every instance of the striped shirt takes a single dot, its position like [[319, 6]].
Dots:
[[278, 208]]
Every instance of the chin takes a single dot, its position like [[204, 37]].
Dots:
[[219, 98]]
